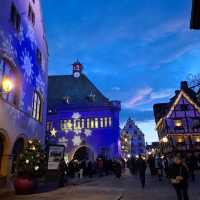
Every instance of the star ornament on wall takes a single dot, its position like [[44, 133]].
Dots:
[[53, 132], [76, 140]]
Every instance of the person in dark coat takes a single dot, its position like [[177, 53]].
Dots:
[[117, 169], [179, 178], [62, 169], [191, 162], [141, 165]]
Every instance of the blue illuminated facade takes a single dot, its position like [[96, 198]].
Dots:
[[80, 115], [23, 60]]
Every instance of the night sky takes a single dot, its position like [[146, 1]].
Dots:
[[136, 51]]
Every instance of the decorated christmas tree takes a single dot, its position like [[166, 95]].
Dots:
[[32, 161]]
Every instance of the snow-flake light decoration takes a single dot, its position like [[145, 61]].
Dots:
[[88, 132], [76, 140], [76, 115]]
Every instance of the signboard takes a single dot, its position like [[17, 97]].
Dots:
[[56, 153]]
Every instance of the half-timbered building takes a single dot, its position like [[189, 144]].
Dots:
[[178, 121]]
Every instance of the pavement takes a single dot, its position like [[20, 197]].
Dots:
[[111, 188]]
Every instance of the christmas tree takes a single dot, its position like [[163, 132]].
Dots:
[[32, 161]]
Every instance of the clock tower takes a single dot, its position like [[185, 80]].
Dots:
[[77, 69]]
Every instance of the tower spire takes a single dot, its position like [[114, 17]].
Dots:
[[77, 69]]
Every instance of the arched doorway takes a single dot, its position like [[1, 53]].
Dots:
[[17, 149], [83, 153]]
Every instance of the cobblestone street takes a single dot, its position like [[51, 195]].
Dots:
[[110, 188]]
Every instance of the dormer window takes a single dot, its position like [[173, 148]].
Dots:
[[92, 97], [15, 17], [31, 15]]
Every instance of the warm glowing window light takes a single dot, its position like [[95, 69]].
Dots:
[[110, 121], [101, 122], [96, 123], [106, 121], [92, 123], [7, 85], [88, 123], [178, 123], [83, 123]]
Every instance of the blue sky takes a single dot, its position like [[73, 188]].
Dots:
[[134, 51]]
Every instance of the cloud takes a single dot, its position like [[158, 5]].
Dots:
[[147, 95], [116, 88], [161, 94], [136, 99], [165, 29]]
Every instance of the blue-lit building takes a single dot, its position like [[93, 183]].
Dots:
[[81, 118], [132, 140], [23, 62]]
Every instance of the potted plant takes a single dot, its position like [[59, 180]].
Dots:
[[31, 165]]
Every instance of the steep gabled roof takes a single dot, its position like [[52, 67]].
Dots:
[[164, 110], [73, 90]]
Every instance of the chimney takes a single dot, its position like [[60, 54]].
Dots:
[[176, 92], [184, 85]]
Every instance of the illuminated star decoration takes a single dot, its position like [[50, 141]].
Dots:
[[76, 140], [53, 132], [88, 132]]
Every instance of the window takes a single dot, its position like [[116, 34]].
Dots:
[[7, 71], [39, 56], [178, 123], [106, 122], [101, 122], [78, 124], [49, 126], [110, 121], [88, 123], [31, 15], [92, 123], [96, 123], [37, 106], [15, 17], [82, 123], [63, 125], [69, 124]]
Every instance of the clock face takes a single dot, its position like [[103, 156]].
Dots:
[[76, 74]]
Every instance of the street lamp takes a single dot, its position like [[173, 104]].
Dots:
[[165, 140], [7, 85]]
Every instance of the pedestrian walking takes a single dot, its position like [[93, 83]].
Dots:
[[179, 178], [62, 169], [141, 165]]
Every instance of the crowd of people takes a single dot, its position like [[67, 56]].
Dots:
[[86, 168], [178, 169]]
